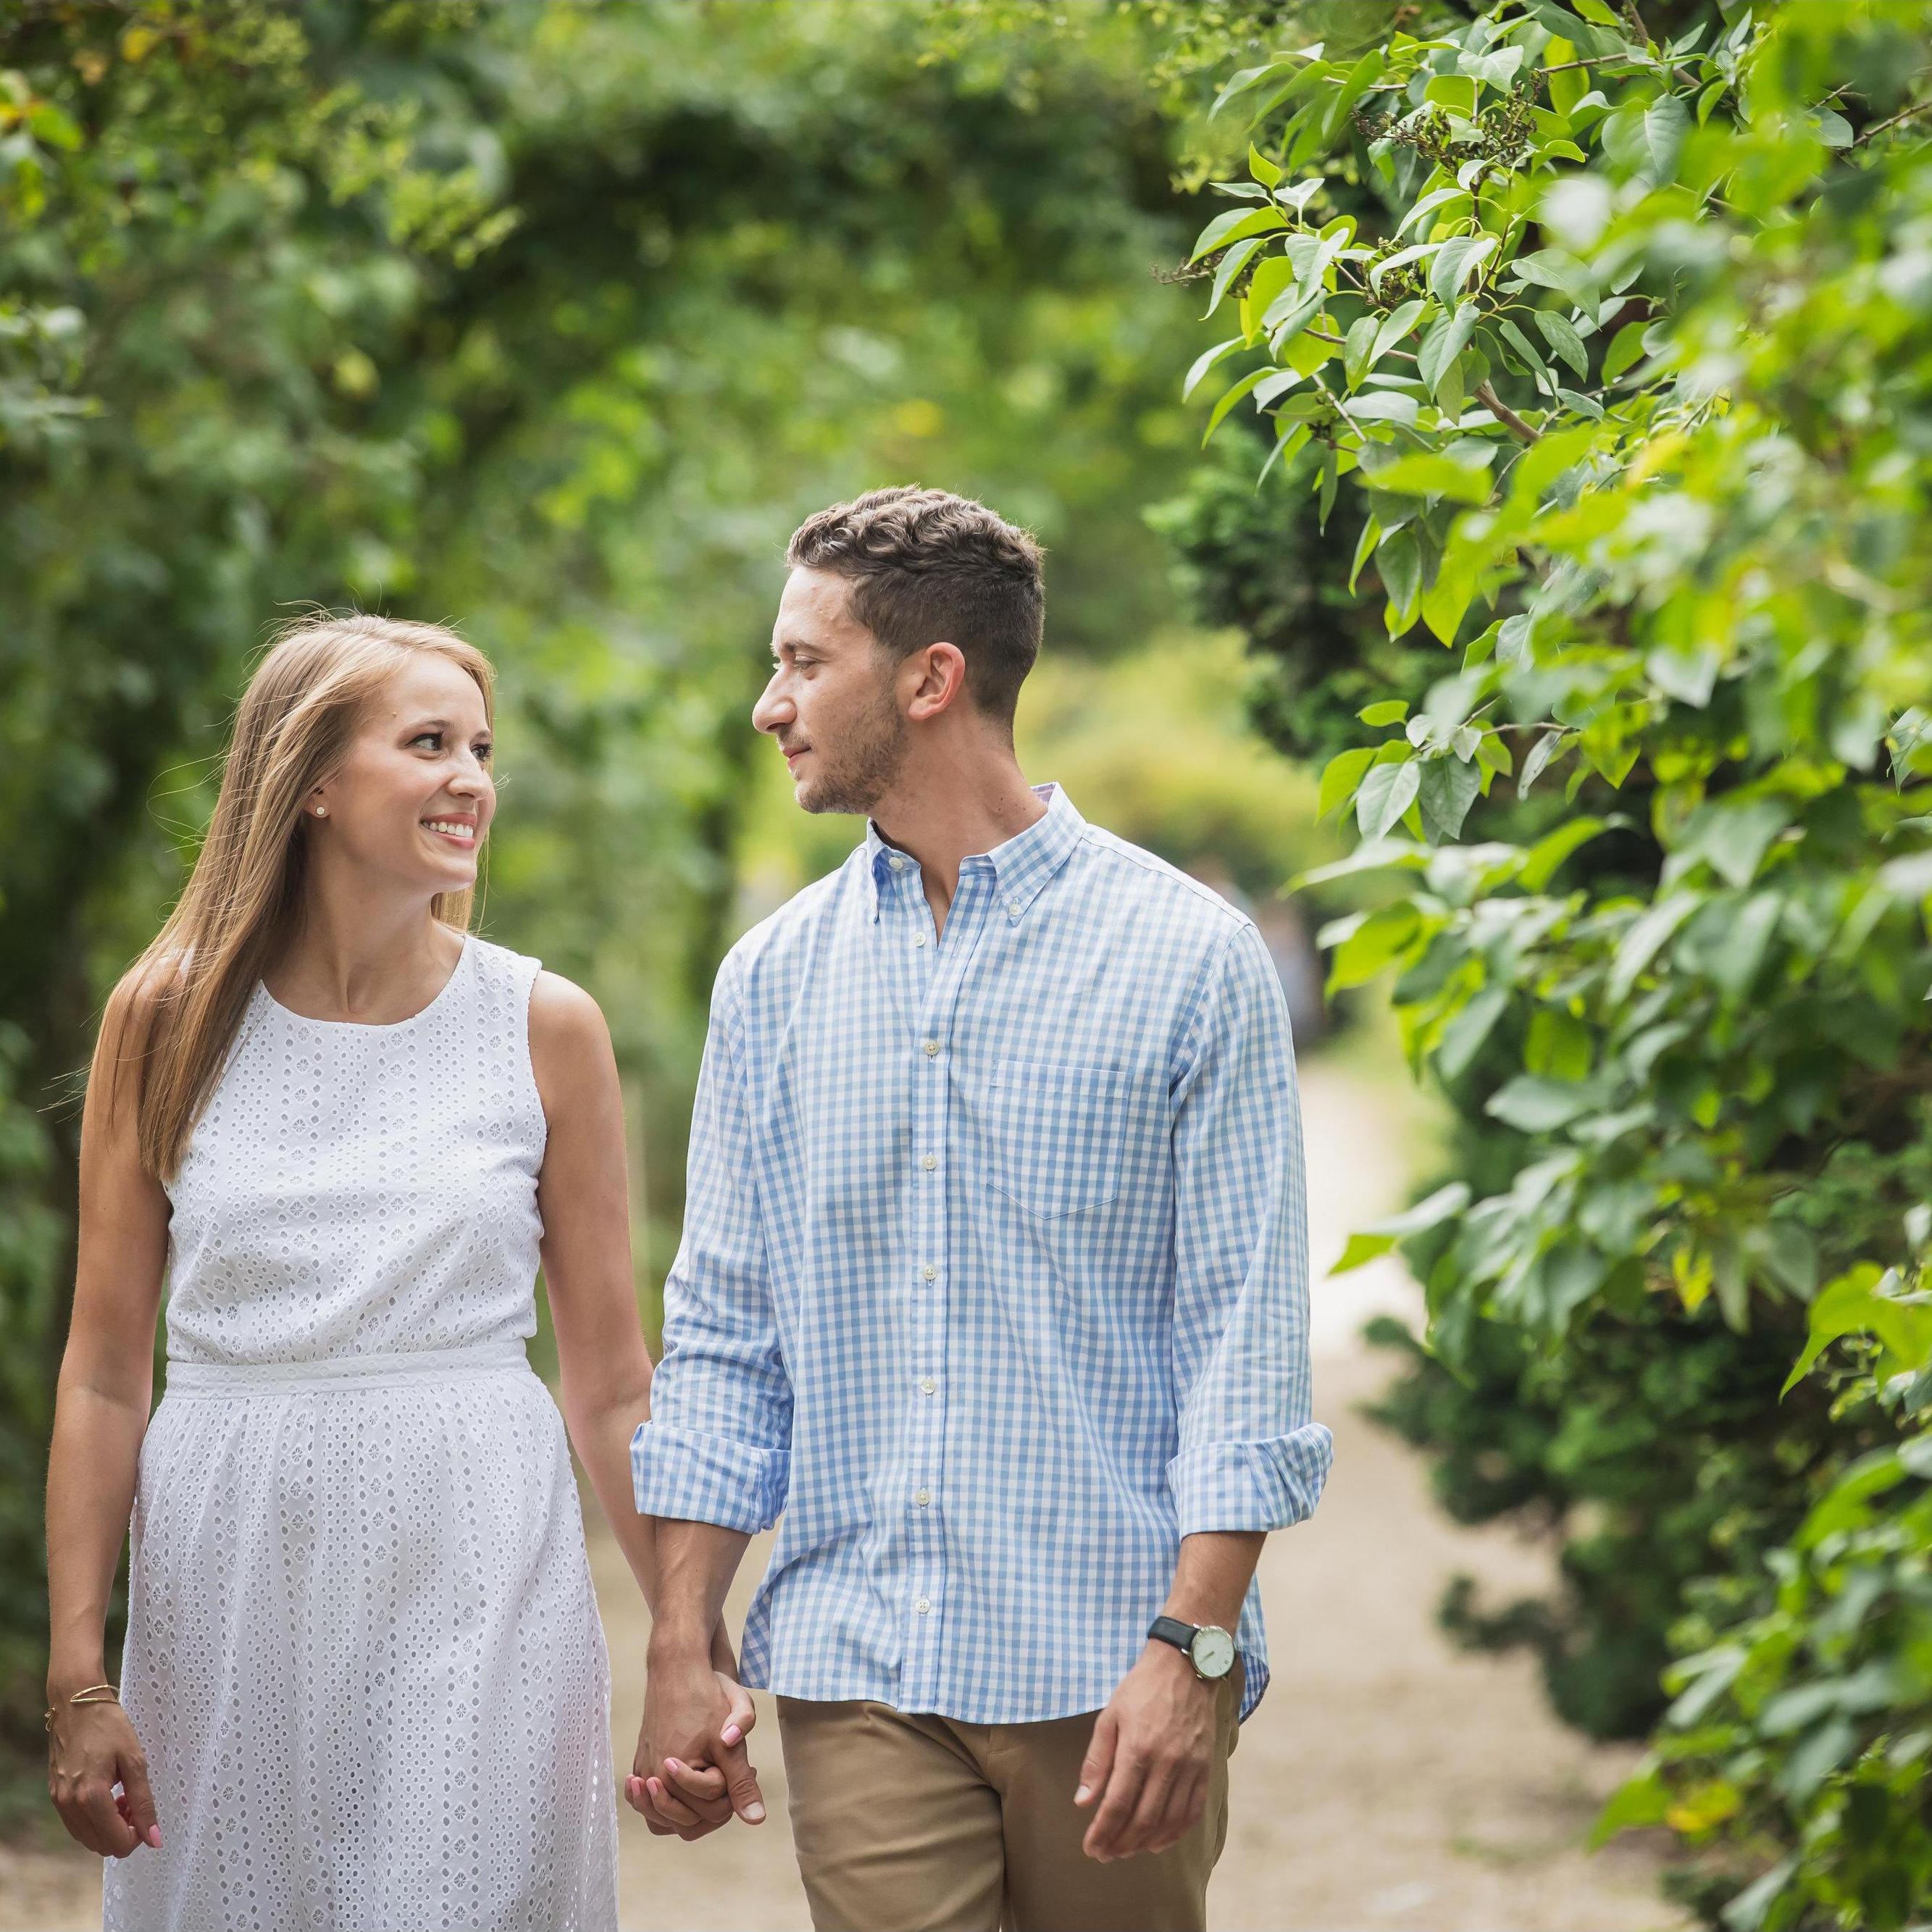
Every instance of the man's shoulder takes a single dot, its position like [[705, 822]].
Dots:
[[1183, 902], [786, 938]]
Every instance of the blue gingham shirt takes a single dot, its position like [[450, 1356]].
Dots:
[[994, 1278]]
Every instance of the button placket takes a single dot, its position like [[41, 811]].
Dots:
[[939, 971]]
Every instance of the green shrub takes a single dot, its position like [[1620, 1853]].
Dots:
[[1630, 360]]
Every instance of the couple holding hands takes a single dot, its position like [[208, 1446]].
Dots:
[[991, 1297]]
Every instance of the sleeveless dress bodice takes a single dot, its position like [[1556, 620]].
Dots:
[[357, 1190], [364, 1656]]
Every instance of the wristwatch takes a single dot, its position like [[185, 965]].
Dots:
[[1207, 1646]]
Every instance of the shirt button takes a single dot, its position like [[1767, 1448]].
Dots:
[[932, 1049], [923, 1607], [1013, 907], [931, 1272], [897, 865], [930, 1162], [920, 941], [921, 1497], [927, 1387]]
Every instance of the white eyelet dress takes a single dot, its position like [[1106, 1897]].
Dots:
[[363, 1656]]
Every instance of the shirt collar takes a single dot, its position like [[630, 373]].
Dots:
[[1022, 867]]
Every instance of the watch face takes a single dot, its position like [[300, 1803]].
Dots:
[[1213, 1651]]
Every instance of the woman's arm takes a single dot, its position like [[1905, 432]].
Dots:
[[604, 1367], [100, 1415]]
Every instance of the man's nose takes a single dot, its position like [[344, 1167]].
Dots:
[[773, 710]]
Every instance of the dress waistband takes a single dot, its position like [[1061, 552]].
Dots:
[[346, 1371]]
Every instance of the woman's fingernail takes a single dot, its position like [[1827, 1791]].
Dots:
[[731, 1734], [654, 1787], [755, 1813], [154, 1836], [1080, 1796]]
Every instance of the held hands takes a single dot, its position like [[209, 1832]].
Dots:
[[91, 1748], [1149, 1766], [691, 1771]]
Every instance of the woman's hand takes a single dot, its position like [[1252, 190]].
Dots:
[[688, 1801], [92, 1748]]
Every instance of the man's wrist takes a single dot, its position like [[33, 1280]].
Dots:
[[679, 1641]]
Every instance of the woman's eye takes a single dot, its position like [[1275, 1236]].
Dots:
[[427, 738]]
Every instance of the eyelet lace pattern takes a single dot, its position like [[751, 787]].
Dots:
[[364, 1658]]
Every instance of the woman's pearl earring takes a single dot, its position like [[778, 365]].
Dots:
[[322, 811]]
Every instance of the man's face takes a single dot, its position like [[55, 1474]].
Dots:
[[832, 703]]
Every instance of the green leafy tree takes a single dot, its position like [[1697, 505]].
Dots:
[[1628, 362]]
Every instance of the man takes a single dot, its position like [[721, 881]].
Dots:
[[992, 1293]]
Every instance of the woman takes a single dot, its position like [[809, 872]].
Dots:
[[363, 1655]]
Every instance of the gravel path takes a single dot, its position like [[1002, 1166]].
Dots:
[[1387, 1781]]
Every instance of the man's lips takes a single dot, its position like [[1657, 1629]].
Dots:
[[792, 751]]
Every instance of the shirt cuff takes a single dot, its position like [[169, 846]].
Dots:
[[698, 1478], [1266, 1485]]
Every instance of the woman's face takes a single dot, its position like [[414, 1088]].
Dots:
[[413, 799]]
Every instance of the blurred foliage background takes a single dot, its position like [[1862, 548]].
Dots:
[[553, 320]]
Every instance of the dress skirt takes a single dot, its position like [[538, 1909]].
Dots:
[[364, 1658]]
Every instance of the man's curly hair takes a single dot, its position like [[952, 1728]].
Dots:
[[927, 568]]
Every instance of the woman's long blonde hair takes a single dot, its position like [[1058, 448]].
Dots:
[[293, 729]]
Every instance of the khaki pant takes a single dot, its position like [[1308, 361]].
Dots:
[[911, 1823]]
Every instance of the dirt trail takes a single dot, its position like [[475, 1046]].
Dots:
[[1387, 1781]]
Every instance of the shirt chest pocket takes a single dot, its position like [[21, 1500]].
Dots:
[[1056, 1134]]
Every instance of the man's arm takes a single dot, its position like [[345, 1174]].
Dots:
[[1250, 1458], [713, 1463]]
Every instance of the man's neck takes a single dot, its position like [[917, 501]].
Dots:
[[949, 816]]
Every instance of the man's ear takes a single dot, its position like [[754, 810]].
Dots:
[[937, 680]]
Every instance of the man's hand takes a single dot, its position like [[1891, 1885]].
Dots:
[[1148, 1767], [691, 1771]]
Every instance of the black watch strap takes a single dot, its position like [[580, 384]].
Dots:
[[1172, 1629]]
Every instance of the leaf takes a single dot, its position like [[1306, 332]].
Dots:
[[1456, 261], [1561, 333], [1230, 266], [1731, 839], [1399, 563], [1646, 138], [1341, 774], [1541, 753], [1626, 350], [1831, 126], [1448, 788], [1362, 76], [1365, 544], [1742, 950], [1230, 397], [1384, 795], [1240, 82], [1388, 711], [1534, 1105], [1263, 170], [1236, 225], [1462, 1038], [1205, 361], [1443, 344], [1436, 198], [1429, 475], [1394, 326], [1642, 941], [1540, 864], [1374, 944]]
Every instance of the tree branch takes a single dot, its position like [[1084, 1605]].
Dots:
[[1485, 394]]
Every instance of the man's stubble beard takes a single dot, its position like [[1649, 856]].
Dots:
[[873, 753]]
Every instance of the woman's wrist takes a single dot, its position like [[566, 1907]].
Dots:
[[66, 1674]]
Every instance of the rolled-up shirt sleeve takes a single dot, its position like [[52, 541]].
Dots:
[[718, 1447], [1249, 1457]]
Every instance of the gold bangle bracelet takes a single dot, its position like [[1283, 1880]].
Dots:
[[90, 1694]]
